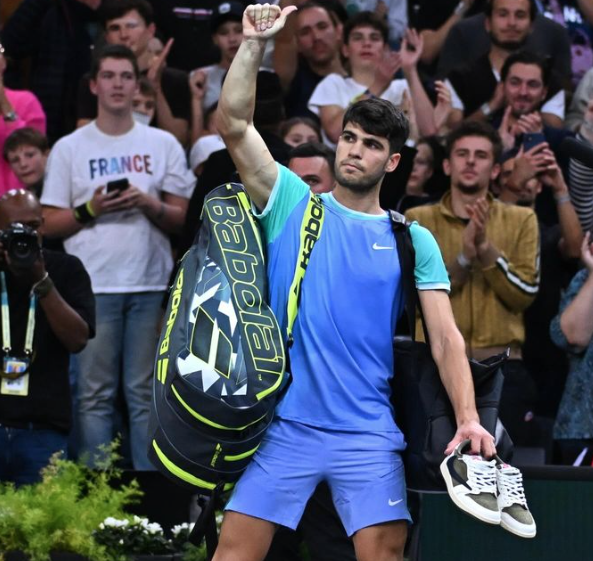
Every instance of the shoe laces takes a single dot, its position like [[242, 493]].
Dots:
[[510, 486], [481, 474]]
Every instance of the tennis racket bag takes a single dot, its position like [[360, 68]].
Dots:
[[220, 364]]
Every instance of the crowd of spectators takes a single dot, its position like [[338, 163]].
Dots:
[[109, 119]]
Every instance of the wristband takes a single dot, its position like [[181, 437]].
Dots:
[[561, 199], [463, 261], [43, 287], [84, 213]]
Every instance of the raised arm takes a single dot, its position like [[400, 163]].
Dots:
[[254, 162]]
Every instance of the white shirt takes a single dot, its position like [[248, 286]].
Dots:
[[337, 90], [123, 251]]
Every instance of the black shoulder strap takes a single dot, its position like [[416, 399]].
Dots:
[[407, 260]]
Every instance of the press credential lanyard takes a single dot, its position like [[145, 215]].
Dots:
[[6, 342]]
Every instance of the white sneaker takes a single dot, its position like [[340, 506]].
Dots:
[[515, 515], [471, 483]]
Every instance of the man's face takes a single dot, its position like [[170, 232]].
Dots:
[[144, 104], [21, 208], [131, 31], [471, 164], [510, 23], [362, 159], [365, 47], [28, 164], [315, 172], [318, 38], [228, 38], [524, 88], [522, 196], [115, 85]]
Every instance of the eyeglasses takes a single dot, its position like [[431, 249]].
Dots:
[[128, 26]]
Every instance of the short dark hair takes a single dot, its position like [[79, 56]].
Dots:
[[26, 136], [526, 57], [381, 118], [313, 150], [369, 19], [114, 9], [475, 128], [489, 8], [335, 9], [293, 121], [119, 52]]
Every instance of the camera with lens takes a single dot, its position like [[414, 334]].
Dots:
[[21, 243]]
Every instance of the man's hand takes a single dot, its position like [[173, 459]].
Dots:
[[157, 65], [103, 202], [468, 241], [444, 105], [505, 131], [132, 197], [411, 49], [478, 213], [550, 173], [482, 441], [262, 21], [531, 122], [197, 84]]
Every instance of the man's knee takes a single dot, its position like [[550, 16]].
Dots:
[[383, 542], [243, 538]]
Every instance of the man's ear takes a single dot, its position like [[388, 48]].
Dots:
[[447, 167], [392, 162], [495, 171], [93, 86]]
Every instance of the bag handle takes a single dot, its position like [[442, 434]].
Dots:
[[407, 260]]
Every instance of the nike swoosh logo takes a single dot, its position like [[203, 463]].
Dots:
[[393, 503], [376, 246], [454, 474]]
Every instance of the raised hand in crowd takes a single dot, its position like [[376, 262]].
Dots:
[[157, 64], [443, 108], [408, 109], [506, 130], [411, 49], [197, 87], [385, 72], [262, 21]]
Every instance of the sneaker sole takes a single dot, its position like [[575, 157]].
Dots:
[[493, 519]]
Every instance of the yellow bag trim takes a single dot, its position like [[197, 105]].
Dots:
[[311, 227], [184, 475], [241, 456], [206, 421]]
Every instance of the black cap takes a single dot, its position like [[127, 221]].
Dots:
[[226, 11]]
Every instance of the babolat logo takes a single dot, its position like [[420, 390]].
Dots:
[[175, 301], [232, 231], [312, 229]]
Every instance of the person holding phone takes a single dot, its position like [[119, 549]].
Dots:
[[115, 189]]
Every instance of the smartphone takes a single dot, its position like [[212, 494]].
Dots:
[[531, 139], [118, 185]]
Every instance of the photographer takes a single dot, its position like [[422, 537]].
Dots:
[[47, 309]]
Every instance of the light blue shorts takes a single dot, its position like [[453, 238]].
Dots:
[[364, 471]]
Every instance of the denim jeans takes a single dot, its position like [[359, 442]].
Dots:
[[123, 349], [25, 452]]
